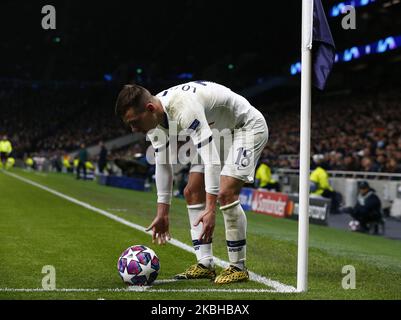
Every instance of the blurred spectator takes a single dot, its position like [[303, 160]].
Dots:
[[5, 150], [320, 184], [392, 166], [82, 159], [102, 162], [56, 161], [368, 165], [350, 163], [29, 164], [263, 177], [367, 211]]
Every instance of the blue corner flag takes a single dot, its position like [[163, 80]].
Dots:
[[323, 48]]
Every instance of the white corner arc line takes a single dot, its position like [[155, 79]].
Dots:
[[278, 286]]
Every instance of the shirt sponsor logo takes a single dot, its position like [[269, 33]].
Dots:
[[194, 124]]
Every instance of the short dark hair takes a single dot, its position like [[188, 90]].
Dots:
[[131, 96]]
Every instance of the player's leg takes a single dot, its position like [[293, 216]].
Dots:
[[195, 197], [235, 226], [239, 168], [234, 220]]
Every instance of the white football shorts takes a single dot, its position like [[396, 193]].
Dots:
[[240, 150]]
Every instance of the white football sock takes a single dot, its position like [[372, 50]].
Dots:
[[204, 252], [235, 223]]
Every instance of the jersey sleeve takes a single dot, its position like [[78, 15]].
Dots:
[[164, 168], [163, 177]]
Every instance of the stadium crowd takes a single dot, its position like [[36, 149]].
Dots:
[[54, 121], [354, 132]]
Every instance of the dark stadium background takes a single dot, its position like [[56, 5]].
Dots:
[[58, 87], [168, 39]]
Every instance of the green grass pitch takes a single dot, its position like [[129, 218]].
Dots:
[[38, 228]]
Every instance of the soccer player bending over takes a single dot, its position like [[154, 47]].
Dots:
[[197, 107]]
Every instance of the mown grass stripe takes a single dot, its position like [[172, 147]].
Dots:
[[278, 286]]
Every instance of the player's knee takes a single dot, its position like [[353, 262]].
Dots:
[[227, 196], [194, 195]]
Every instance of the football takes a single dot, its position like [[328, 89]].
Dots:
[[138, 265], [354, 225]]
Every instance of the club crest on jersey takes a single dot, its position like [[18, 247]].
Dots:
[[194, 124]]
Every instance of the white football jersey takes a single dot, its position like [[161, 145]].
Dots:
[[200, 105]]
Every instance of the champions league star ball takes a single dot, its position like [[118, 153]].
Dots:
[[138, 265]]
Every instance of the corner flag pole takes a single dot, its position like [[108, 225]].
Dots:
[[306, 91]]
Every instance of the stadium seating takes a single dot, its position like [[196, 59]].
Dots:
[[367, 125], [355, 132]]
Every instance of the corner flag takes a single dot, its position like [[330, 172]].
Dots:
[[323, 48], [318, 53]]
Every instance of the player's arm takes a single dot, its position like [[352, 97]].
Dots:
[[164, 186], [210, 157], [163, 175]]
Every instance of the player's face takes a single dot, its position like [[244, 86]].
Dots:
[[139, 122]]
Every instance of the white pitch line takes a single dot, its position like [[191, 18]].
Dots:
[[214, 290], [136, 289], [278, 286], [164, 281]]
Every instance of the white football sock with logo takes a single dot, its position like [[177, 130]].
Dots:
[[204, 252], [235, 223]]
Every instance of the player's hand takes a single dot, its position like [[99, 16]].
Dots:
[[160, 225], [208, 219]]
